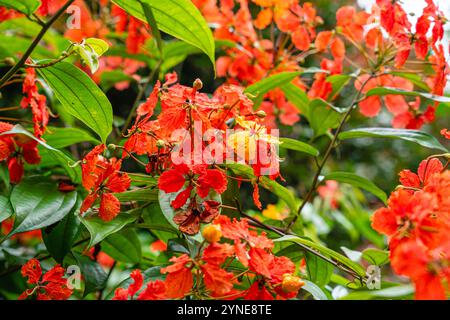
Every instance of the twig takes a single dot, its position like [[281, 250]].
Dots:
[[34, 44]]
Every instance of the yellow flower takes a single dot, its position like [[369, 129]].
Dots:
[[245, 142]]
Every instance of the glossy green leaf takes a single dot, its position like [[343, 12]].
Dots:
[[59, 239], [325, 251], [376, 256], [80, 97], [396, 91], [357, 181], [338, 83], [153, 24], [322, 116], [99, 229], [64, 137], [297, 97], [27, 7], [94, 276], [260, 88], [419, 137], [90, 50], [44, 204], [142, 194], [123, 246], [319, 270], [178, 18], [6, 209], [297, 145], [153, 216]]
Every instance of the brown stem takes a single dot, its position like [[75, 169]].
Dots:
[[330, 148]]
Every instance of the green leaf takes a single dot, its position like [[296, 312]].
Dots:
[[338, 83], [325, 251], [322, 116], [6, 209], [414, 78], [153, 216], [178, 18], [357, 181], [376, 256], [298, 97], [314, 290], [142, 194], [90, 50], [153, 24], [319, 270], [99, 229], [260, 88], [297, 145], [419, 137], [37, 203], [386, 91], [80, 96], [28, 7], [59, 239], [64, 137], [123, 246], [94, 276], [57, 155], [395, 292]]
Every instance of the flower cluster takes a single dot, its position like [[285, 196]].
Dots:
[[102, 177], [49, 286], [417, 222], [267, 276]]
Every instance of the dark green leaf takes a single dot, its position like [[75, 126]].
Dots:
[[80, 96], [123, 246], [94, 276], [59, 239], [44, 204], [6, 209], [419, 137]]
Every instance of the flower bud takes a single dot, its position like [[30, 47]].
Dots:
[[198, 84], [291, 283], [112, 146], [212, 233], [160, 144], [261, 114], [9, 61]]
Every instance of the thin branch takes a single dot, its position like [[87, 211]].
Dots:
[[34, 44], [330, 148]]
